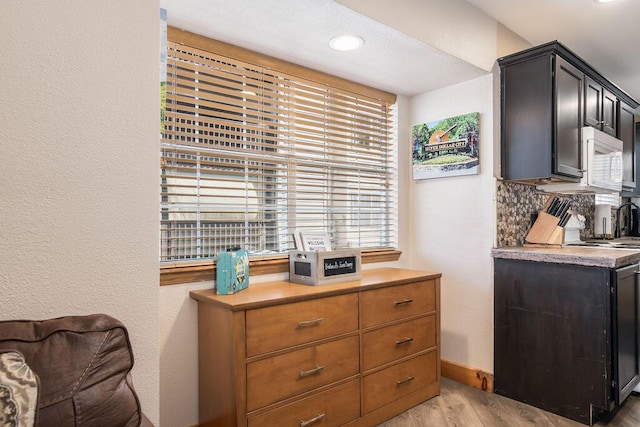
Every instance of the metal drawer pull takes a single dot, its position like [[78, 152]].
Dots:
[[310, 322], [404, 381], [404, 341], [312, 420], [315, 370], [403, 302]]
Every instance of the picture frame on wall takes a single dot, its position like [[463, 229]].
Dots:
[[447, 147]]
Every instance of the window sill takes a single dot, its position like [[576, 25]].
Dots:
[[174, 274]]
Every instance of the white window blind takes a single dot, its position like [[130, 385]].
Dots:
[[251, 154]]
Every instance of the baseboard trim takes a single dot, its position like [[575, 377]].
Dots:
[[466, 375]]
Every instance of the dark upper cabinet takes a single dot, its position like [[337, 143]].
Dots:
[[600, 107], [592, 103], [548, 94], [627, 133], [609, 113], [541, 108], [568, 119]]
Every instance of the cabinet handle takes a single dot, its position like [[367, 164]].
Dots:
[[404, 341], [403, 302], [312, 420], [310, 322], [315, 370], [404, 381]]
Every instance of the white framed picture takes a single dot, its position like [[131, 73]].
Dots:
[[447, 147]]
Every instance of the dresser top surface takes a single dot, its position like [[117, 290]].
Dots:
[[278, 292]]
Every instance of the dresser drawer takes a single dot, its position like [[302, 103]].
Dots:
[[334, 407], [397, 381], [277, 327], [397, 302], [286, 375], [394, 342]]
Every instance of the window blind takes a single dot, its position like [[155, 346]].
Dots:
[[249, 155]]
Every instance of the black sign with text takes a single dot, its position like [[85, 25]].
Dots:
[[336, 266]]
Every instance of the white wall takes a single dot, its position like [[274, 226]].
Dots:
[[79, 128], [452, 221]]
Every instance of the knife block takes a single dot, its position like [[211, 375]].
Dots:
[[546, 231]]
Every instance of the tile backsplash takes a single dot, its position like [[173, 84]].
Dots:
[[516, 203]]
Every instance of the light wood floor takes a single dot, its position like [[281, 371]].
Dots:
[[463, 406]]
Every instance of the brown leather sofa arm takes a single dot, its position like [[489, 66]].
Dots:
[[83, 364]]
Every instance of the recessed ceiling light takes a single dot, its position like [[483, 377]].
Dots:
[[604, 1], [346, 42]]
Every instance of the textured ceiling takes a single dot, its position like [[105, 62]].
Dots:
[[299, 31]]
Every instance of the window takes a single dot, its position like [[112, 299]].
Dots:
[[250, 154]]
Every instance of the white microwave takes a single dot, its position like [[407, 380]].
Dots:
[[601, 166]]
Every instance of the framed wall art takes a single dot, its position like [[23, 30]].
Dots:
[[447, 147]]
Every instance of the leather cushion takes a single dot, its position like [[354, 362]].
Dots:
[[83, 363]]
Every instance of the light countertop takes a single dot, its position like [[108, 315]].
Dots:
[[577, 255]]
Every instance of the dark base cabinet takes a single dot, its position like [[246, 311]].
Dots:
[[566, 336], [625, 317]]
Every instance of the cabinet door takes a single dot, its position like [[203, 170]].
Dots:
[[609, 113], [626, 333], [626, 132], [568, 119], [592, 103], [551, 343]]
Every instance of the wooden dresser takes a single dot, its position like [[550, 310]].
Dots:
[[355, 353]]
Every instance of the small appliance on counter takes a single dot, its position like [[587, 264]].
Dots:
[[573, 227], [627, 220]]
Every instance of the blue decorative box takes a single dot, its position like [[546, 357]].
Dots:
[[232, 271]]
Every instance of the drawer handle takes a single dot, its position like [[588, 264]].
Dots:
[[404, 341], [315, 370], [404, 381], [403, 302], [310, 322], [312, 420]]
